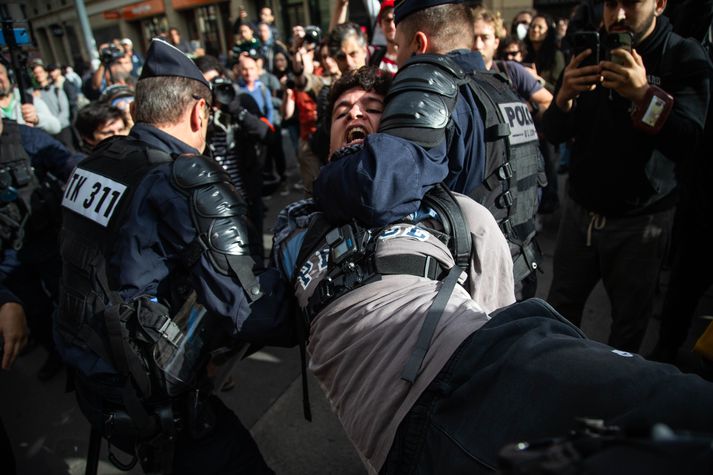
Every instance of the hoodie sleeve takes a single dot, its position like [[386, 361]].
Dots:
[[47, 122]]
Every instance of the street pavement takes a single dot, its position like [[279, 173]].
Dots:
[[50, 435]]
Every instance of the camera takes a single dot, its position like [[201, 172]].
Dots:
[[110, 54], [313, 35], [223, 92]]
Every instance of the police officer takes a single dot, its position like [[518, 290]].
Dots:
[[432, 132], [155, 238], [33, 167]]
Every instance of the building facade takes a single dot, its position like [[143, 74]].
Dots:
[[58, 34]]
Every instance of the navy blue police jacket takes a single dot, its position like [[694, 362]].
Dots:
[[157, 228], [387, 178], [47, 152]]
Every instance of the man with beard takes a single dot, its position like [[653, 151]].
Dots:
[[633, 116]]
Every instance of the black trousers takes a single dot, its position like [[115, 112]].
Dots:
[[687, 283], [228, 449], [7, 458], [527, 375]]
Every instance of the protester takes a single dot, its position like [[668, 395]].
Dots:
[[99, 121], [620, 236], [403, 352], [56, 100], [34, 113]]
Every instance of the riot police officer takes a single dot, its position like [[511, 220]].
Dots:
[[33, 167], [433, 131], [157, 272]]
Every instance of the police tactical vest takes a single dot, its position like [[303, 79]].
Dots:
[[95, 204], [418, 108], [92, 314], [514, 167], [17, 182]]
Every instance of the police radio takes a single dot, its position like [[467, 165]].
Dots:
[[344, 243]]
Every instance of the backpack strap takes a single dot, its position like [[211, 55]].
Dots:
[[444, 203], [428, 328]]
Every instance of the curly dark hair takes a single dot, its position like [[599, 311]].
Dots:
[[368, 78], [545, 58]]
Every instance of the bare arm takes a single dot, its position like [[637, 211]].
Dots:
[[339, 13], [13, 330], [543, 99]]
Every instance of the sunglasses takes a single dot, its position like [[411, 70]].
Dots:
[[512, 53]]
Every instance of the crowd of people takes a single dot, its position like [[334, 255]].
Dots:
[[427, 147]]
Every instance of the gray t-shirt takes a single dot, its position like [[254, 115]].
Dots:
[[360, 343]]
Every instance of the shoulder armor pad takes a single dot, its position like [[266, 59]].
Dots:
[[421, 99], [191, 171], [424, 78], [218, 213], [436, 60], [218, 200], [228, 236]]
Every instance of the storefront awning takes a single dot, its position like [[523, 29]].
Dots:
[[183, 4], [142, 9]]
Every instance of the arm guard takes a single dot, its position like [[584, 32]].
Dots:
[[218, 213], [421, 100]]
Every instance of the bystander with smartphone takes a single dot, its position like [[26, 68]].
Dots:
[[634, 99]]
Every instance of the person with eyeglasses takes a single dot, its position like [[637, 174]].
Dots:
[[511, 49]]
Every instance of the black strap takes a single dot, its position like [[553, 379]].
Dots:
[[526, 261], [242, 266], [302, 336], [413, 365], [444, 203], [423, 266], [141, 419]]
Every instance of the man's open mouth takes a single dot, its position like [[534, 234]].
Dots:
[[355, 134]]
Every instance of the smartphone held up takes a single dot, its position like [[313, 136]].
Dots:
[[618, 40], [601, 47], [584, 40]]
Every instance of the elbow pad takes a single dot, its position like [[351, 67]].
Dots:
[[219, 215]]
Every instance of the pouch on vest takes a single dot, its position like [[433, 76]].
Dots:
[[179, 352]]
